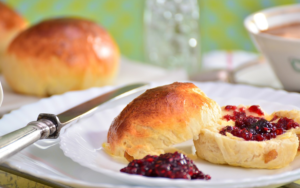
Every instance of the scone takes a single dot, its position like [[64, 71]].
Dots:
[[159, 118], [248, 137], [11, 23], [60, 55]]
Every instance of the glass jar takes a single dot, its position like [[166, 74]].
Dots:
[[172, 34]]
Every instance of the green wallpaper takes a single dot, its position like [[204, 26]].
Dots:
[[221, 21], [222, 24]]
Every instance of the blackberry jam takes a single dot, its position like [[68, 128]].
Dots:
[[256, 128], [169, 165]]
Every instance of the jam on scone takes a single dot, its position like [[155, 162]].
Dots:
[[255, 128]]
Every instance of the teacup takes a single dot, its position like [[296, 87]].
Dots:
[[280, 48]]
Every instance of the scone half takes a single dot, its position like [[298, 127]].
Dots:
[[160, 118], [236, 151]]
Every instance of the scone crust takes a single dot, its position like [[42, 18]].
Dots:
[[74, 41], [161, 117], [10, 20]]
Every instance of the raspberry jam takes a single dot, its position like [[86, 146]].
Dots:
[[169, 165], [256, 128]]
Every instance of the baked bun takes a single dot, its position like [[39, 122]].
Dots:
[[11, 23], [159, 118], [60, 55], [236, 151]]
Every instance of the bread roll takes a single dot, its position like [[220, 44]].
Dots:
[[59, 55], [11, 23], [160, 118], [269, 154]]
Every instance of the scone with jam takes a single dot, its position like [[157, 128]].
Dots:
[[248, 137]]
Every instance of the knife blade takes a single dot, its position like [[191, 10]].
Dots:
[[48, 126]]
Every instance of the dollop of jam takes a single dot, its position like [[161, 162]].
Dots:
[[168, 165], [255, 128]]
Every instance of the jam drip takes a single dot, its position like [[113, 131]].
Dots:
[[256, 128], [169, 165]]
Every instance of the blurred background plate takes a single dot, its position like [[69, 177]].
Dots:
[[260, 73], [247, 68], [130, 72]]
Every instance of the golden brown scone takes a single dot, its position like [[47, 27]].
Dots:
[[60, 55], [270, 154], [160, 118], [11, 23]]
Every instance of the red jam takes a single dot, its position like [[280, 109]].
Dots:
[[256, 109], [257, 128], [230, 107], [169, 165]]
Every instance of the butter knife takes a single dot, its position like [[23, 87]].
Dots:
[[48, 126]]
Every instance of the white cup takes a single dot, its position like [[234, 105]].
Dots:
[[283, 54]]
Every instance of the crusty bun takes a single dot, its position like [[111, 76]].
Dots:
[[270, 154], [60, 55], [160, 118], [11, 23]]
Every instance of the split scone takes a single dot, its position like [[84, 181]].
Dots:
[[159, 118], [248, 137]]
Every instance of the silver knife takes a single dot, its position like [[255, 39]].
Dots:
[[48, 126]]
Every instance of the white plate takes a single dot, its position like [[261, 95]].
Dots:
[[82, 143], [51, 164]]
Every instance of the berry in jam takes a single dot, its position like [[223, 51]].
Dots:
[[230, 107], [259, 129], [169, 165], [256, 109]]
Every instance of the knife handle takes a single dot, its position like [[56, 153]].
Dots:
[[16, 141]]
